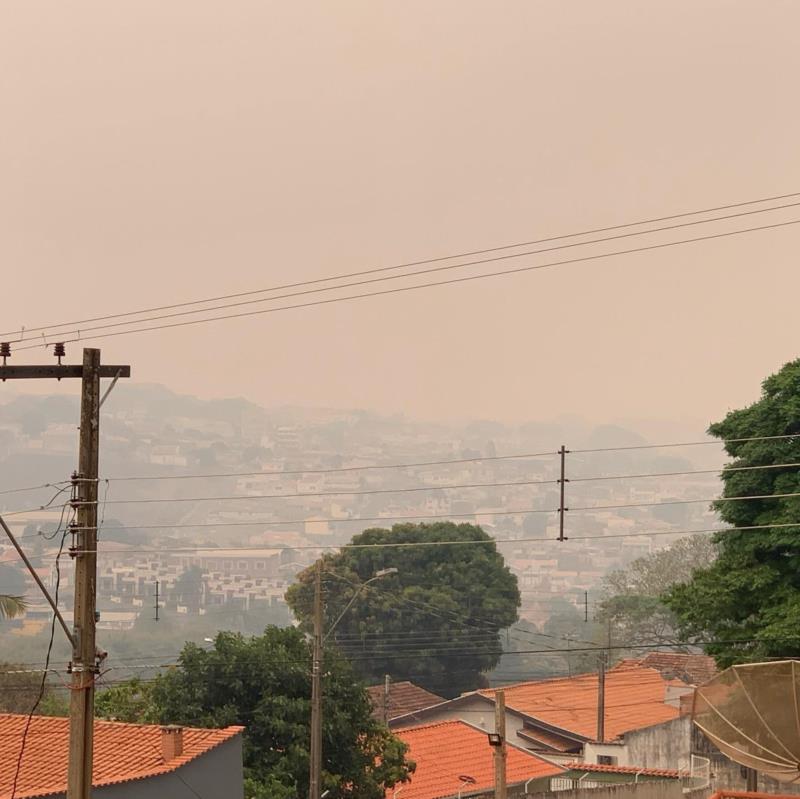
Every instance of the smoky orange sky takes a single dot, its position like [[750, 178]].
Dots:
[[155, 152]]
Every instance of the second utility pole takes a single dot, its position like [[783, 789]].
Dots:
[[501, 750], [315, 770]]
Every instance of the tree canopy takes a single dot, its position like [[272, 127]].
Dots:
[[436, 621], [747, 603], [264, 684], [632, 597]]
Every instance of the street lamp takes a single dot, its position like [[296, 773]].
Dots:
[[315, 770], [377, 576], [465, 780]]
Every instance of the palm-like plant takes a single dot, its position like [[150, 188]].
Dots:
[[11, 606]]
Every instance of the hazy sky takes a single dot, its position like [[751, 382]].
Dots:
[[156, 152]]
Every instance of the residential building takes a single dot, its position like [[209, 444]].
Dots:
[[455, 758], [131, 761], [559, 717], [393, 699]]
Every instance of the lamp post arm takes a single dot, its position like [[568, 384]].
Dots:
[[356, 595]]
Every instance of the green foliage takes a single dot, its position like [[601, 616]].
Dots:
[[632, 597], [54, 703], [264, 684], [12, 606], [19, 690], [455, 601], [130, 701], [748, 601]]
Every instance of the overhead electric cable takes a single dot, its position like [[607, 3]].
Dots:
[[157, 500], [430, 270], [471, 542], [409, 264], [520, 456], [721, 471], [416, 287], [576, 509]]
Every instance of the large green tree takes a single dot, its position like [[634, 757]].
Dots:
[[747, 604], [436, 621], [264, 684]]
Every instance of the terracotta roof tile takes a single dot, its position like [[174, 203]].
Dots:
[[445, 751], [692, 669], [547, 740], [634, 699], [608, 769], [724, 794], [404, 697], [122, 752]]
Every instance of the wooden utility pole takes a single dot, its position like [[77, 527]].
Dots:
[[84, 656], [85, 660], [601, 700], [500, 751], [315, 771]]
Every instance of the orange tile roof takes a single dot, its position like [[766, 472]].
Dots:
[[544, 739], [447, 750], [725, 794], [691, 668], [634, 699], [404, 697], [122, 752], [608, 769]]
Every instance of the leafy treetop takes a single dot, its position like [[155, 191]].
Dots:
[[436, 621], [747, 604]]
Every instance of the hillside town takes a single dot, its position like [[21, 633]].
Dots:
[[295, 491]]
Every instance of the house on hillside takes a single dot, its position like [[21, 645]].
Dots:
[[455, 758], [558, 718], [131, 761], [393, 699]]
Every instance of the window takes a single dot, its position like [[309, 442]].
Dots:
[[606, 760]]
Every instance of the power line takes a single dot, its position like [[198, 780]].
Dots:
[[720, 470], [520, 456], [409, 264], [400, 545], [515, 653], [338, 470], [471, 542], [330, 493], [721, 441], [34, 488], [245, 497], [430, 270], [486, 512], [402, 289]]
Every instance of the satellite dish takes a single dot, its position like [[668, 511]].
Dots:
[[752, 714]]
